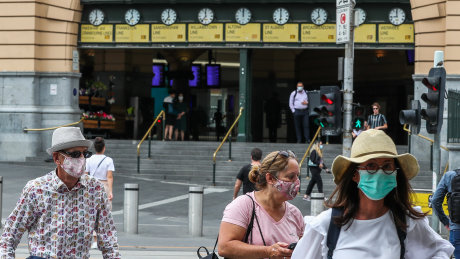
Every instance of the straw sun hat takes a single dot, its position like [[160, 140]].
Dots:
[[67, 137], [374, 144]]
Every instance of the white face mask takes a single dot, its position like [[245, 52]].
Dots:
[[181, 98], [75, 167], [299, 88]]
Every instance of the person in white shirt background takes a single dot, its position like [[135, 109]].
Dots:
[[101, 167], [371, 212], [298, 103]]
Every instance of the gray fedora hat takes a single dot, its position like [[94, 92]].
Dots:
[[67, 137]]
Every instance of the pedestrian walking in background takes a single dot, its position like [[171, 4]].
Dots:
[[273, 116], [372, 214], [181, 121], [101, 167], [273, 223], [243, 176], [315, 165], [450, 187], [376, 120], [171, 114], [61, 209], [298, 102]]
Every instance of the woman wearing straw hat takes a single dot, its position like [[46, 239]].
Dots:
[[371, 213]]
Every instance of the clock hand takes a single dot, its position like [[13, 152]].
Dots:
[[280, 14]]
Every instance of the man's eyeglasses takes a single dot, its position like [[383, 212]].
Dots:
[[372, 168], [286, 154], [77, 154], [375, 108]]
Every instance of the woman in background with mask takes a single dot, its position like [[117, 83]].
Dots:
[[371, 213], [181, 122], [315, 165], [277, 223]]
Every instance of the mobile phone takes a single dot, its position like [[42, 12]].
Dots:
[[292, 246]]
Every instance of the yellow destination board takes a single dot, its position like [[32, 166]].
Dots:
[[235, 32], [128, 33], [421, 199], [205, 33], [314, 33], [101, 33], [389, 33], [280, 33], [165, 33], [366, 33]]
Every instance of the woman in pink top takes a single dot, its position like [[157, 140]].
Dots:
[[277, 223]]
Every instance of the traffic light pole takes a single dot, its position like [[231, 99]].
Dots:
[[348, 92], [436, 159]]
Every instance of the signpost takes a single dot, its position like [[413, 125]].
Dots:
[[345, 35]]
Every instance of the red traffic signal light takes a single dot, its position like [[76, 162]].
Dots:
[[434, 99], [431, 82], [328, 98]]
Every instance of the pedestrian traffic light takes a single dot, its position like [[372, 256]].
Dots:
[[329, 110], [434, 99], [358, 118], [411, 117]]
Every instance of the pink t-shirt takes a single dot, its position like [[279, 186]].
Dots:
[[288, 230]]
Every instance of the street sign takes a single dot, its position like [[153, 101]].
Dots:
[[343, 3], [343, 24]]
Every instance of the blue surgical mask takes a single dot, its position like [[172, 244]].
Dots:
[[376, 186], [320, 146], [299, 88]]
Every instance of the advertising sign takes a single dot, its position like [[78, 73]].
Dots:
[[205, 33], [314, 33], [101, 33], [388, 33], [168, 33], [128, 33], [235, 32], [280, 33]]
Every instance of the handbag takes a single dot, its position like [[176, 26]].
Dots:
[[213, 255]]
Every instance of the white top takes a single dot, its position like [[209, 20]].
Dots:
[[375, 238], [100, 172], [297, 102]]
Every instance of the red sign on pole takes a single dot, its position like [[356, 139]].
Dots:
[[343, 18]]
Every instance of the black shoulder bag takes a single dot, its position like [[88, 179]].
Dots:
[[213, 255]]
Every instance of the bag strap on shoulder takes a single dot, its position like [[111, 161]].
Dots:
[[251, 223], [333, 232]]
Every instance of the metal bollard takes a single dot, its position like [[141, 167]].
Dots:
[[317, 203], [131, 208], [195, 211]]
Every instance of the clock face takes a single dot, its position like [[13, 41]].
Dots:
[[168, 16], [397, 16], [361, 16], [96, 17], [319, 16], [205, 16], [243, 16], [281, 16], [132, 17]]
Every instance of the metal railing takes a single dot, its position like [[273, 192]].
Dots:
[[229, 132], [149, 134], [305, 155], [53, 128]]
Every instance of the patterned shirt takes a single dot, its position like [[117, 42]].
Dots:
[[376, 120], [60, 221]]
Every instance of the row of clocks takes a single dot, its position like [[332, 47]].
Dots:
[[243, 16]]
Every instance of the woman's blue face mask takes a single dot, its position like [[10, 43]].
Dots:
[[377, 185]]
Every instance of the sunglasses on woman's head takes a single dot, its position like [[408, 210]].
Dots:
[[286, 154], [77, 154]]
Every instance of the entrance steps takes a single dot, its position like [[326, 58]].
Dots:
[[191, 162]]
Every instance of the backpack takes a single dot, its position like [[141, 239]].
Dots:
[[334, 232], [453, 198]]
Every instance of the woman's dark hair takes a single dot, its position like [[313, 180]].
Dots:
[[398, 200], [99, 144], [272, 164]]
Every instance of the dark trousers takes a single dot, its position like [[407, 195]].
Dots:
[[272, 133], [454, 238], [301, 120], [315, 179]]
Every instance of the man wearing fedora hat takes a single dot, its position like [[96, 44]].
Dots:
[[61, 209], [371, 213]]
